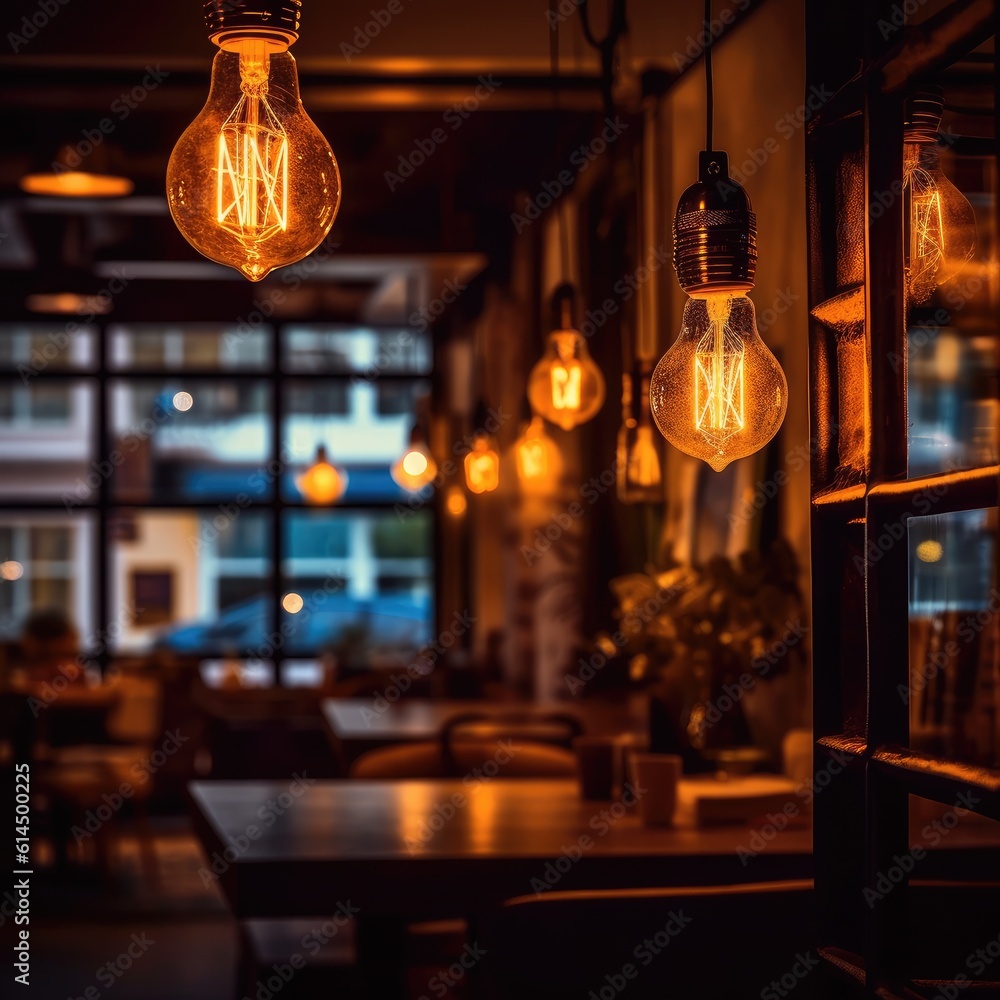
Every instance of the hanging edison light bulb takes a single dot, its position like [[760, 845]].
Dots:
[[639, 466], [566, 387], [718, 394], [539, 463], [416, 467], [322, 482], [482, 465], [940, 223], [252, 183]]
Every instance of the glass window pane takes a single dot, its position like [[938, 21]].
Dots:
[[31, 349], [363, 591], [952, 383], [197, 581], [954, 691], [47, 440], [47, 564], [190, 441], [189, 347], [362, 351], [361, 436]]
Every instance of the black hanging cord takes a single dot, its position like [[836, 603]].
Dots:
[[709, 90], [617, 26], [554, 68]]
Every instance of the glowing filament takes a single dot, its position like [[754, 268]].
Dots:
[[719, 376], [928, 249], [566, 386], [252, 175]]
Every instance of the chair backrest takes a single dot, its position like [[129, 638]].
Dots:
[[136, 716], [662, 944], [541, 741]]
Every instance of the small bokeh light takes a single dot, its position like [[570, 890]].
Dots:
[[292, 603], [183, 401], [930, 551], [11, 570]]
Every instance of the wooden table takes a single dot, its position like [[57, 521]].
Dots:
[[373, 842], [425, 849], [358, 724]]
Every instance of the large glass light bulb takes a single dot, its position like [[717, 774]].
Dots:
[[566, 387], [322, 483], [718, 394], [941, 223], [252, 183], [482, 466]]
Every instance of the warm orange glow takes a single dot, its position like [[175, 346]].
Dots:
[[538, 460], [68, 304], [455, 502], [718, 394], [482, 466], [77, 184], [415, 469], [252, 183], [566, 386], [942, 223], [322, 483], [643, 468], [930, 551]]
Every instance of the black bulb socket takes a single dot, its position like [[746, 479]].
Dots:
[[715, 231]]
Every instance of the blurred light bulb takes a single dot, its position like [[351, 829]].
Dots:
[[415, 468], [718, 394], [322, 483], [538, 460], [482, 466], [252, 183], [942, 223], [455, 502], [183, 401], [566, 386], [639, 465]]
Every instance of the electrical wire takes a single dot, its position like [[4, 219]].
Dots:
[[709, 89], [554, 69]]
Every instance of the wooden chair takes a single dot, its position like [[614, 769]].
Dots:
[[469, 740], [727, 942]]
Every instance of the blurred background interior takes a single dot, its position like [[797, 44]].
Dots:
[[191, 600]]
